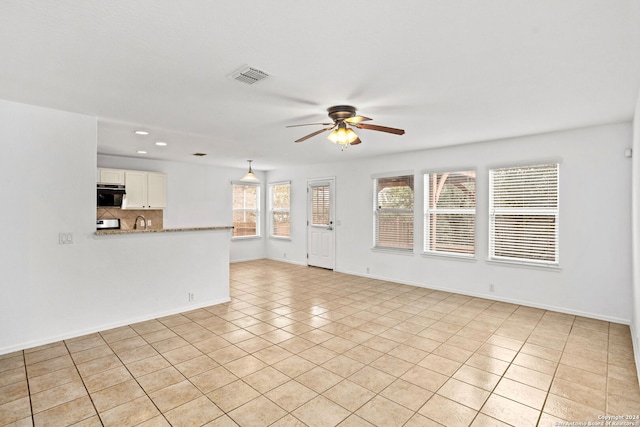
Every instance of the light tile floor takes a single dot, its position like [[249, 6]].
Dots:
[[304, 346]]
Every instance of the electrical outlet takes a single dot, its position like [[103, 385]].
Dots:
[[192, 296], [492, 287]]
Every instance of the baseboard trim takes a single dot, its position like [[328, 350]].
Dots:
[[105, 327], [233, 261], [289, 261], [496, 298], [635, 340]]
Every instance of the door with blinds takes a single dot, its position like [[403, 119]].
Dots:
[[320, 227]]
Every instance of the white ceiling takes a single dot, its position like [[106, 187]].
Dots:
[[448, 72]]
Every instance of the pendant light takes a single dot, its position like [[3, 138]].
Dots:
[[250, 177]]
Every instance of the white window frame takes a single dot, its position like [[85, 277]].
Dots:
[[256, 210], [428, 211], [273, 210], [377, 211], [535, 211]]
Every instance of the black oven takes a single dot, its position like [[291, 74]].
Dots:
[[110, 195]]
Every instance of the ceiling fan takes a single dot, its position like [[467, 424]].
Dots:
[[343, 117]]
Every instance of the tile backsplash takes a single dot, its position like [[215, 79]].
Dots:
[[127, 217]]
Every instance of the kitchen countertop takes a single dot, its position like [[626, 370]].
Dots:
[[162, 230]]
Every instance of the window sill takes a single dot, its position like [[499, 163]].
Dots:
[[285, 238], [523, 264], [468, 258], [405, 252], [246, 238]]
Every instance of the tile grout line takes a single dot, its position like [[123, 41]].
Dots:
[[132, 376], [83, 384], [555, 371], [317, 365], [501, 376], [173, 366], [376, 394], [26, 374], [386, 353]]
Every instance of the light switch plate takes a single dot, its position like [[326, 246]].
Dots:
[[65, 238]]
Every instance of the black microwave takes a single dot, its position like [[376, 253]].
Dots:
[[110, 195]]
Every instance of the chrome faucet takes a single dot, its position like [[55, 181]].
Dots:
[[144, 222]]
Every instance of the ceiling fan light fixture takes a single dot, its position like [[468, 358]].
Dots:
[[351, 136], [333, 136], [342, 135], [249, 176]]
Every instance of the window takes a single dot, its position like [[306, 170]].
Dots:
[[524, 214], [280, 209], [450, 213], [246, 210], [393, 212], [320, 204]]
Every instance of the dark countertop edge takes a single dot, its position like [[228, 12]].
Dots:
[[162, 230]]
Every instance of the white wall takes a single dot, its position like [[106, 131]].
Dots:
[[635, 323], [52, 291], [48, 168], [595, 258]]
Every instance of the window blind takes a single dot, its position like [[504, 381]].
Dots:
[[280, 202], [320, 204], [246, 210], [524, 213], [393, 212], [449, 212]]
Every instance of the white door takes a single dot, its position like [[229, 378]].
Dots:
[[320, 227]]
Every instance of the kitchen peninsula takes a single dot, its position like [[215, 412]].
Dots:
[[159, 272]]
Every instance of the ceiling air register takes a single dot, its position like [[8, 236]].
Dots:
[[249, 75]]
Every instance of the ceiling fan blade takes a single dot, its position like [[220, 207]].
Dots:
[[309, 124], [379, 128], [357, 119], [356, 141], [311, 135]]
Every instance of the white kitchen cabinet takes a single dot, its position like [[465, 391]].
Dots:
[[135, 184], [110, 176], [156, 190], [145, 190]]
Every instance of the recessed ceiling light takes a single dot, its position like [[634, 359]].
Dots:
[[141, 152], [161, 144], [141, 132]]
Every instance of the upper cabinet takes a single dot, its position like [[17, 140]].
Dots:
[[156, 190], [110, 176], [145, 190]]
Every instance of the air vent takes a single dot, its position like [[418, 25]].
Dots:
[[249, 75], [199, 154]]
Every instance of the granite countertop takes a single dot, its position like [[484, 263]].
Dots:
[[162, 230]]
